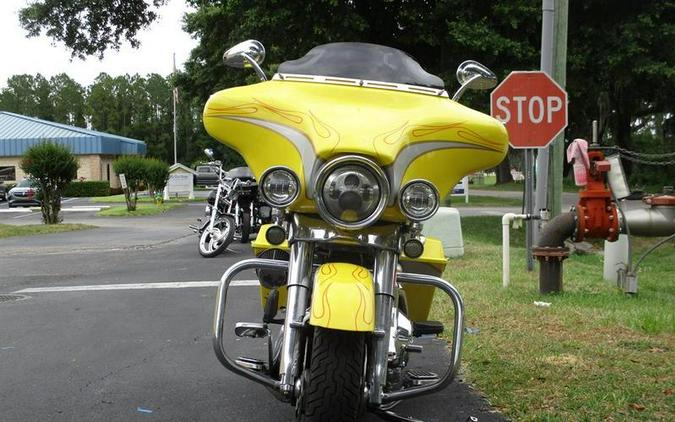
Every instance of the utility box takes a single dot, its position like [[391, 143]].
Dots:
[[446, 226], [616, 258], [180, 182]]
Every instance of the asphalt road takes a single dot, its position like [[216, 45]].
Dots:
[[142, 354]]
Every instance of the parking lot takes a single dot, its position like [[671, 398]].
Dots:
[[115, 324]]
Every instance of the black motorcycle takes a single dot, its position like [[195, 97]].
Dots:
[[216, 231], [244, 203]]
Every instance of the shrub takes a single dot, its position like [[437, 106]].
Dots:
[[53, 167], [134, 169], [90, 188], [157, 175]]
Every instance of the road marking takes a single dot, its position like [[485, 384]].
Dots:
[[14, 210], [137, 286], [82, 209], [24, 216]]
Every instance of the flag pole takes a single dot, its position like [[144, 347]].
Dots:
[[175, 126]]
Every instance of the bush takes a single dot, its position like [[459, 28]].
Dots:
[[134, 169], [53, 167], [87, 188], [157, 175]]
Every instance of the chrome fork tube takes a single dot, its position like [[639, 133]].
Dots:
[[385, 298], [299, 285], [214, 209]]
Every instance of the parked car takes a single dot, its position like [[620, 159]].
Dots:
[[25, 193], [3, 191], [206, 175]]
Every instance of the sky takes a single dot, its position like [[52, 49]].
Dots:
[[19, 54]]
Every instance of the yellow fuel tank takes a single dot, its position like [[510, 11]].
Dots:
[[301, 125]]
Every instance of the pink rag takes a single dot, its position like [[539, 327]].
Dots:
[[578, 151]]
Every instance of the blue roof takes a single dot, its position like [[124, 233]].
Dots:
[[18, 133]]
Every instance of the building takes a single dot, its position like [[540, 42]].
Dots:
[[95, 150]]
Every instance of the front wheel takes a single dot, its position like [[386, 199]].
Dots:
[[212, 244], [245, 227], [333, 389]]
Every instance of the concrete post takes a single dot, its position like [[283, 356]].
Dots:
[[557, 148]]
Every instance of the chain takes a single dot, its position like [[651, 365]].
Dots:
[[651, 162], [627, 152]]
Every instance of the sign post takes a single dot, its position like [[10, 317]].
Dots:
[[533, 107], [123, 180]]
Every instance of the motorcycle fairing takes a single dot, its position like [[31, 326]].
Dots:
[[301, 125], [259, 245], [431, 262], [343, 298]]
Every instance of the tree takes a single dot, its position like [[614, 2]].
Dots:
[[89, 27], [19, 96], [100, 103], [53, 167], [619, 65], [135, 170], [618, 56], [68, 100]]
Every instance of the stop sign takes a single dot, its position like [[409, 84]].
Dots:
[[532, 106]]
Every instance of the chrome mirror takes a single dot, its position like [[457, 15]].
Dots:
[[473, 75], [250, 53], [209, 153]]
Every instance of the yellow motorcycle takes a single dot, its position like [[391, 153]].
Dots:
[[353, 145]]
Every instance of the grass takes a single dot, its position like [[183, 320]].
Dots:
[[489, 183], [141, 210], [483, 201], [518, 187], [115, 199], [7, 230], [594, 354]]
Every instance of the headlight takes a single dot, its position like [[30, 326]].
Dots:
[[419, 200], [351, 192], [279, 187]]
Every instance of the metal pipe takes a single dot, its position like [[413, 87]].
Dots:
[[654, 221], [557, 231], [650, 250], [551, 251], [546, 64], [529, 207]]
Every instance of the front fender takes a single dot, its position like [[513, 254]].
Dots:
[[343, 298]]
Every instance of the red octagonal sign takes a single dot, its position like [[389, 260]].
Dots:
[[532, 106]]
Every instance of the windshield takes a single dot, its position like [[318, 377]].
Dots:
[[362, 61], [25, 183]]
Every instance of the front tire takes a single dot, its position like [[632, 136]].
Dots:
[[333, 390], [208, 246], [245, 227]]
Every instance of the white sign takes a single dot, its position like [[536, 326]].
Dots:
[[462, 189], [180, 182], [123, 181]]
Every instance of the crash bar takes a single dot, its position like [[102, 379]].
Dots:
[[457, 337], [219, 317]]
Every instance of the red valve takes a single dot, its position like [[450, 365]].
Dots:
[[597, 215]]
